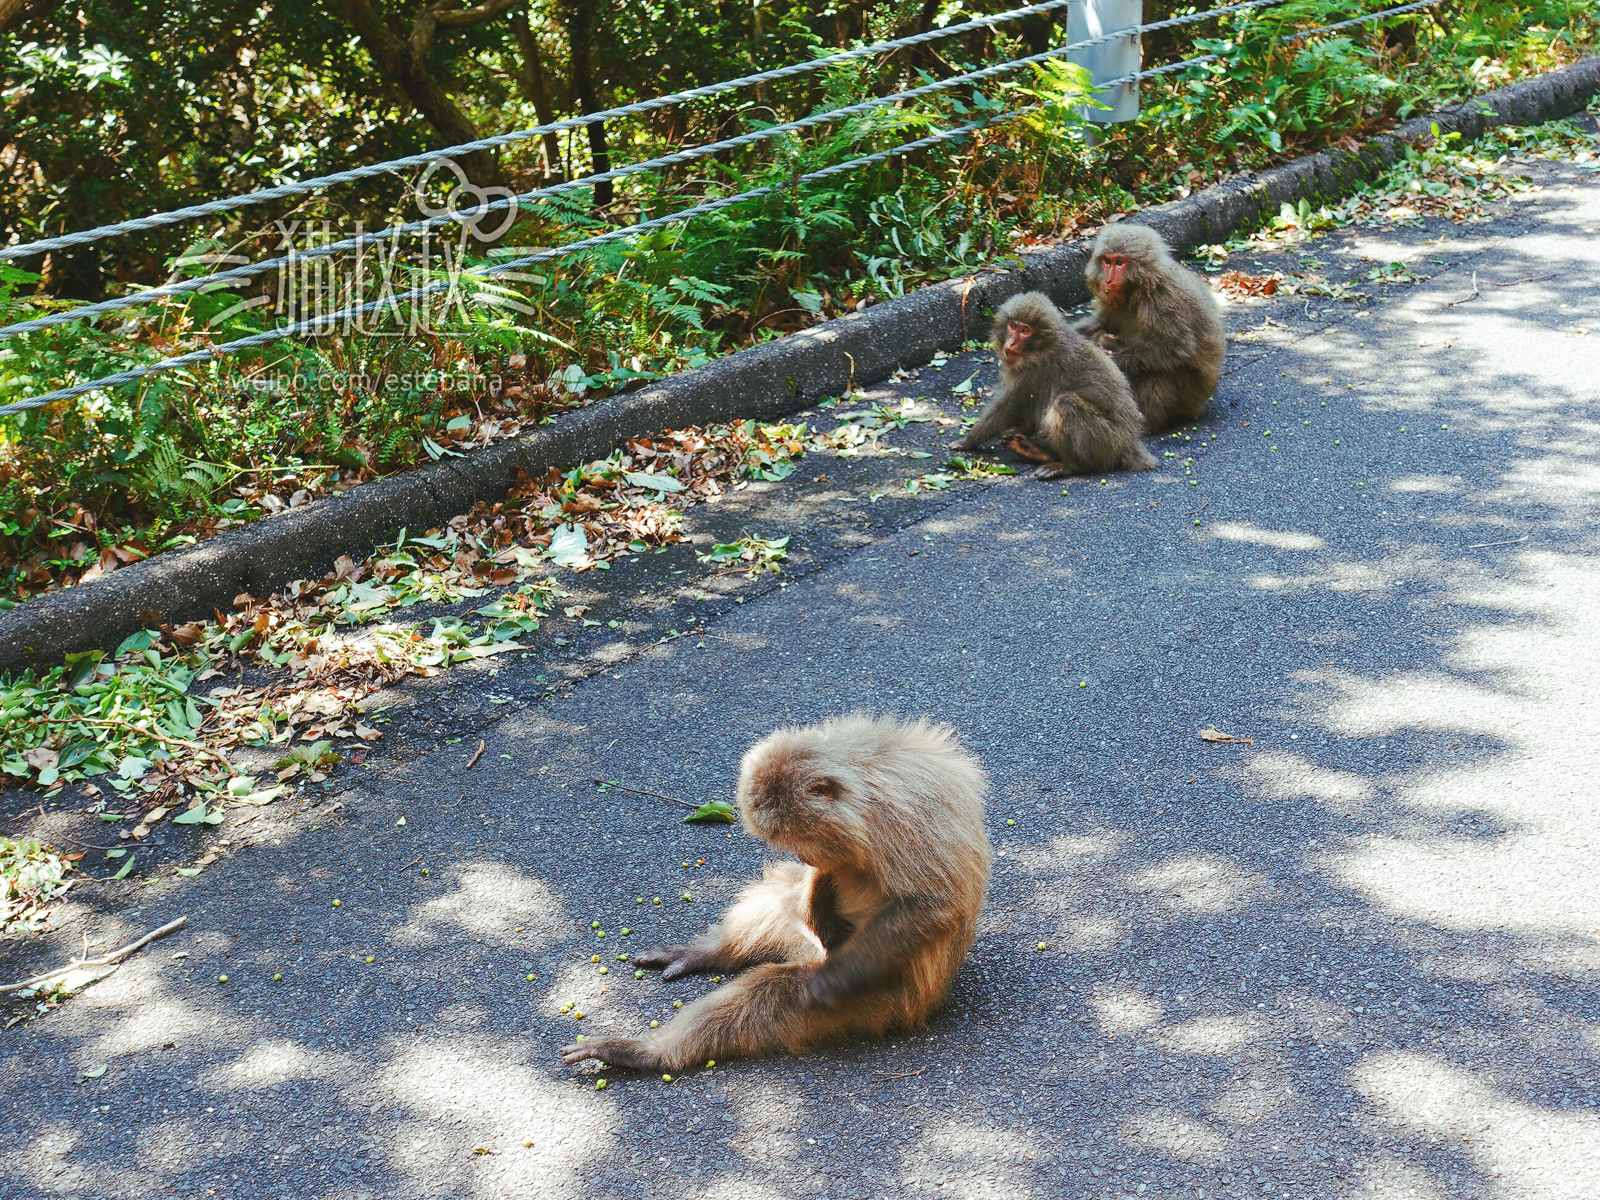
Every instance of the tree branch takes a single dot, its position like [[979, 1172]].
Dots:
[[105, 960], [476, 15]]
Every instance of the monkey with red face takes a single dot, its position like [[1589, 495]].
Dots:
[[1159, 321], [1069, 407]]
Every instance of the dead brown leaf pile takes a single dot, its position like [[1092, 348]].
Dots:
[[1237, 283]]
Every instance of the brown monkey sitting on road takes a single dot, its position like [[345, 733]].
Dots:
[[863, 935], [1160, 322], [1071, 409]]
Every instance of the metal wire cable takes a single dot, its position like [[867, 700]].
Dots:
[[228, 204], [321, 323], [91, 312], [269, 336]]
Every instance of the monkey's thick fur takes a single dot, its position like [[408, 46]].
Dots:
[[863, 935], [1166, 335], [1063, 394]]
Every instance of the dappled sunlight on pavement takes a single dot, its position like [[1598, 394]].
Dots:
[[1527, 1152], [1530, 861]]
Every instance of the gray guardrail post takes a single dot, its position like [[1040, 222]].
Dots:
[[1109, 60]]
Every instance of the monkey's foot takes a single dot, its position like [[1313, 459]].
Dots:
[[619, 1052], [1024, 448], [677, 961], [1050, 470]]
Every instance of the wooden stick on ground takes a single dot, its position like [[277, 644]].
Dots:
[[138, 729], [105, 960], [476, 755], [622, 787]]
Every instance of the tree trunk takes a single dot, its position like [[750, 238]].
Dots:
[[1036, 32], [925, 55], [580, 38], [534, 88], [405, 64], [13, 13]]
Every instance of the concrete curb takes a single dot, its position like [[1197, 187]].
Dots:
[[766, 381]]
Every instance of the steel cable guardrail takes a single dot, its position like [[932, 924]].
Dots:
[[228, 204], [320, 324], [239, 274]]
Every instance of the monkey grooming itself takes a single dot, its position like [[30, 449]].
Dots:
[[860, 937], [1069, 405], [1160, 322]]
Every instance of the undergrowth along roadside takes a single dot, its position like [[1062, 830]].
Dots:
[[135, 723], [89, 486]]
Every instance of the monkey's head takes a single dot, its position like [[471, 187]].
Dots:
[[899, 799], [796, 793], [1127, 260], [1025, 326]]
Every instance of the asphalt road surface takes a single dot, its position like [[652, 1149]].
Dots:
[[1351, 954]]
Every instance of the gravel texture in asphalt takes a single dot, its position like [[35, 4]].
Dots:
[[1353, 953]]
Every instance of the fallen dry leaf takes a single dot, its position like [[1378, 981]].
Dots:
[[1208, 734]]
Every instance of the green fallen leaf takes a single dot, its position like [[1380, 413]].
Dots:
[[964, 388], [133, 767], [92, 1072], [126, 867], [658, 483], [569, 547], [187, 870], [718, 811], [318, 754], [191, 816], [80, 667]]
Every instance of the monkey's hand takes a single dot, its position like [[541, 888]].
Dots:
[[674, 962], [825, 989], [1050, 470], [633, 1053]]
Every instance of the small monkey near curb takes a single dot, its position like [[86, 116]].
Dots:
[[1069, 406], [862, 936]]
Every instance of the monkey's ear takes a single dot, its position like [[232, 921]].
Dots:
[[828, 786]]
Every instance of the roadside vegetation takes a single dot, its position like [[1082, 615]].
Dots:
[[90, 485]]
